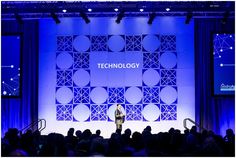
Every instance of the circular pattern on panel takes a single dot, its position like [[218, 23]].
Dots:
[[151, 77], [81, 43], [64, 95], [81, 112], [81, 77], [64, 60], [168, 60], [99, 95], [111, 111], [151, 43], [116, 43], [151, 112], [133, 95], [168, 94]]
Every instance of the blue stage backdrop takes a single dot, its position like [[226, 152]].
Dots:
[[10, 58], [223, 58], [86, 69]]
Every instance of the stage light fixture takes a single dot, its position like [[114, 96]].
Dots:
[[151, 18], [89, 9], [141, 10], [85, 17], [64, 10], [167, 9], [188, 17], [18, 18], [116, 9], [120, 17], [225, 17], [55, 18]]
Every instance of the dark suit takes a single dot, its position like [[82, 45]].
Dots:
[[119, 119]]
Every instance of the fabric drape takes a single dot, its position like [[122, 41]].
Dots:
[[213, 113], [19, 112]]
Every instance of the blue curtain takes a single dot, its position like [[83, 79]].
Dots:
[[19, 112], [213, 113]]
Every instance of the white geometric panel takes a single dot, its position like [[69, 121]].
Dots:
[[168, 94], [64, 60], [151, 43], [81, 77], [151, 112], [81, 112], [99, 95], [151, 77], [168, 60], [64, 95], [81, 43], [134, 112], [133, 95], [98, 112], [111, 111], [116, 43]]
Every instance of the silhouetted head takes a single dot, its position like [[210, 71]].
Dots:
[[229, 132], [128, 132], [211, 133], [37, 133], [78, 133], [119, 106], [177, 131], [70, 132], [148, 128], [98, 132], [186, 131], [193, 129], [171, 130], [12, 132], [29, 132], [86, 134]]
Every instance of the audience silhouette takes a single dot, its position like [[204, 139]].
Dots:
[[147, 143]]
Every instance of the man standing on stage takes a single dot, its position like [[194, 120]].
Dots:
[[119, 117]]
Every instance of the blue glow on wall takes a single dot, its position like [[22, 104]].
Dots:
[[78, 87], [224, 64], [10, 68], [91, 70]]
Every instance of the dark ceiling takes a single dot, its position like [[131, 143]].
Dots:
[[41, 9]]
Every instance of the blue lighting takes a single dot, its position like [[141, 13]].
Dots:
[[10, 65], [167, 9], [87, 85], [223, 64]]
